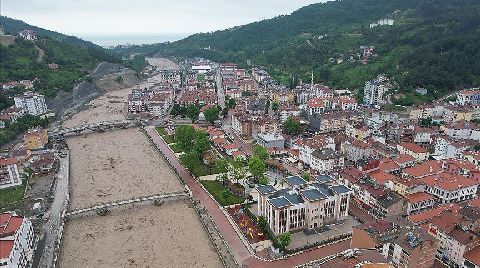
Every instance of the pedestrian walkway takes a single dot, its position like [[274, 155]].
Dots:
[[240, 252]]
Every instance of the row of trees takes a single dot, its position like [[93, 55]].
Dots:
[[192, 111], [193, 143]]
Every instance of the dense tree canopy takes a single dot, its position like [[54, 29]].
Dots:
[[432, 44]]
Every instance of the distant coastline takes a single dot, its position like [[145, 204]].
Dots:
[[114, 40]]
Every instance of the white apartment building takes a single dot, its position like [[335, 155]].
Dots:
[[32, 103], [9, 176], [308, 146], [375, 91], [325, 160], [301, 205], [448, 188], [469, 97], [16, 241]]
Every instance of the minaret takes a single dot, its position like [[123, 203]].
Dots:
[[311, 86]]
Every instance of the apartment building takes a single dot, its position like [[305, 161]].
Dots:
[[375, 91], [301, 205], [32, 103], [16, 241], [9, 176]]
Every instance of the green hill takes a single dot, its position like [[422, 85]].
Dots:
[[13, 27], [432, 44], [27, 60]]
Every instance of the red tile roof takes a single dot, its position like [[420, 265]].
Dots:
[[5, 248], [425, 169], [413, 147], [448, 181], [381, 177], [429, 214], [403, 159], [8, 161], [474, 256], [419, 197]]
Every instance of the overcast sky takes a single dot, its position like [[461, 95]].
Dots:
[[122, 17]]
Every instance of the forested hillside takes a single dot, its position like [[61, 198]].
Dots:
[[13, 26], [432, 44]]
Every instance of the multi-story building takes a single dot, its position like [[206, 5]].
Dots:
[[401, 243], [326, 160], [448, 188], [375, 91], [421, 112], [9, 176], [306, 147], [453, 239], [16, 241], [301, 205], [469, 97], [412, 149], [32, 103], [355, 150], [28, 34], [335, 121], [453, 113]]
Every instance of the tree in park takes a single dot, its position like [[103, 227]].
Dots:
[[257, 167], [221, 164], [284, 240], [192, 112], [211, 114], [184, 136], [202, 144], [260, 152], [291, 126], [237, 169], [190, 160]]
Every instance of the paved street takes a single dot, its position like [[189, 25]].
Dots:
[[220, 89], [50, 228], [240, 252]]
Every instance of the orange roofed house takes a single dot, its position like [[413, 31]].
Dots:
[[35, 139]]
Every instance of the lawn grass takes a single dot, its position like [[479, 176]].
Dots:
[[176, 148], [161, 131], [215, 188], [169, 139], [11, 195]]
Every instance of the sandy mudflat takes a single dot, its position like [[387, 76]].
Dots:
[[108, 107], [163, 63], [166, 236], [117, 165]]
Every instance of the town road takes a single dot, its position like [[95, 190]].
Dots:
[[239, 250], [51, 227], [220, 89]]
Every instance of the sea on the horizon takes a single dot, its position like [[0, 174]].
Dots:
[[114, 40]]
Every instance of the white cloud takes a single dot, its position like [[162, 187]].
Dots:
[[122, 17]]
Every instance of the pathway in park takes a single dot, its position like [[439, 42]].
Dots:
[[239, 250]]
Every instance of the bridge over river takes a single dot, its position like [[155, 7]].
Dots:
[[93, 127], [102, 208]]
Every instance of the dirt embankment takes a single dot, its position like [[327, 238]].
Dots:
[[106, 77]]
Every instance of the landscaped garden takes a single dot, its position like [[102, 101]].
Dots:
[[161, 131], [221, 193]]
